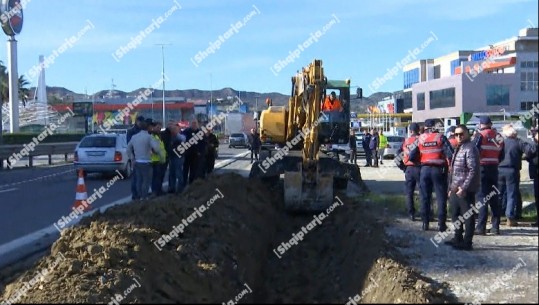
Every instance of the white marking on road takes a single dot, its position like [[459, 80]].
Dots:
[[36, 179], [8, 190]]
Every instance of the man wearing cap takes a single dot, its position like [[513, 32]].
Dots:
[[434, 153], [130, 133], [490, 146], [411, 167]]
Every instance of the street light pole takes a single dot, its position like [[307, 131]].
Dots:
[[163, 75], [211, 96], [151, 92]]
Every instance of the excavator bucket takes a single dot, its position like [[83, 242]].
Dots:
[[301, 195]]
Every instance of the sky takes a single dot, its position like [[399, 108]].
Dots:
[[249, 45]]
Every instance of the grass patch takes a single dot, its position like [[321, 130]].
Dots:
[[394, 203]]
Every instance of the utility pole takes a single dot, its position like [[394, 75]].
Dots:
[[163, 75]]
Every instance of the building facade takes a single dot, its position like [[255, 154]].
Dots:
[[499, 78]]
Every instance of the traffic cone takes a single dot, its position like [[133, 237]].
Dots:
[[81, 191]]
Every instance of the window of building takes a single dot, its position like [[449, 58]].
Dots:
[[421, 101], [536, 64], [497, 95], [528, 105], [529, 64], [411, 77], [436, 71], [407, 97], [523, 64], [442, 98], [529, 81]]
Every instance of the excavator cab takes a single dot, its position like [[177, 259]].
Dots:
[[335, 123]]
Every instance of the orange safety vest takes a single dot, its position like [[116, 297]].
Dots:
[[491, 148], [431, 149], [336, 106], [407, 146]]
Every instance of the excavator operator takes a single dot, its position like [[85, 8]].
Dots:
[[332, 103]]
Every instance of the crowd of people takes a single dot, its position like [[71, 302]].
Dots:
[[374, 142], [153, 151], [471, 172]]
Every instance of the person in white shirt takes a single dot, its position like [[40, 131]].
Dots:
[[139, 149]]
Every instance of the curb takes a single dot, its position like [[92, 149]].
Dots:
[[40, 240]]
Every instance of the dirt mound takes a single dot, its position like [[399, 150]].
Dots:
[[219, 252]]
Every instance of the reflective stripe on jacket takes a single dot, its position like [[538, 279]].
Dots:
[[491, 147], [431, 149]]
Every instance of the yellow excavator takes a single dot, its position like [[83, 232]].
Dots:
[[292, 137]]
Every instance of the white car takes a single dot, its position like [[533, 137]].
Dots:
[[393, 144], [103, 153]]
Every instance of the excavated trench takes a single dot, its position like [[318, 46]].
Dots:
[[234, 250]]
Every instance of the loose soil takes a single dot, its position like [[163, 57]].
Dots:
[[227, 249]]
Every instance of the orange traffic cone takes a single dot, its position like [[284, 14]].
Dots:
[[81, 194]]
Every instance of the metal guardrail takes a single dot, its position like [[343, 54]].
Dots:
[[42, 149]]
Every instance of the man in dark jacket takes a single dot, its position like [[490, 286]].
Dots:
[[368, 153], [176, 183], [191, 168], [373, 146], [255, 144], [464, 181], [211, 151], [509, 171], [533, 167], [353, 147]]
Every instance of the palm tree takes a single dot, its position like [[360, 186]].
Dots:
[[23, 91], [4, 86]]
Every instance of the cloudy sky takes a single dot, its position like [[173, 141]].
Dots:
[[249, 45]]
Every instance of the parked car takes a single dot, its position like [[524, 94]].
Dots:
[[238, 139], [393, 144], [103, 153]]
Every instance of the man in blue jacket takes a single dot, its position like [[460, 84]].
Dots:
[[509, 171], [366, 142]]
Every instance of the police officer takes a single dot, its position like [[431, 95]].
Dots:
[[434, 152], [490, 146], [411, 167]]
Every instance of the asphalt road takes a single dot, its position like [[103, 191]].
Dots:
[[34, 198]]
